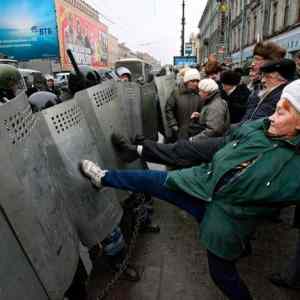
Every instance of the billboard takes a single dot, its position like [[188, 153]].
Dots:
[[28, 29], [86, 37], [185, 60]]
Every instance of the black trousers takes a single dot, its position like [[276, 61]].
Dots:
[[183, 153]]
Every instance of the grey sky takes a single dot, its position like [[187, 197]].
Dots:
[[153, 26]]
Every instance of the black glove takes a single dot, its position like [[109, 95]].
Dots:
[[175, 131], [126, 151], [195, 127], [138, 139]]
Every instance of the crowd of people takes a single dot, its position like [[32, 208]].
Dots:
[[233, 149]]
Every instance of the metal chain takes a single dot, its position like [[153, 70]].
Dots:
[[124, 265]]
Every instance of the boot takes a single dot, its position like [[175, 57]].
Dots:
[[126, 151]]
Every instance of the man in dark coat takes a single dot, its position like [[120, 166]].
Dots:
[[235, 94], [275, 75]]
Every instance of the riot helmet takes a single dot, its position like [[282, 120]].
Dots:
[[124, 74], [49, 77], [88, 77], [42, 100], [11, 82]]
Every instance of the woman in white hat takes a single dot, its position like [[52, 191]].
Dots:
[[213, 119]]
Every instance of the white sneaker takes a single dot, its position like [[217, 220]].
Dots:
[[92, 171]]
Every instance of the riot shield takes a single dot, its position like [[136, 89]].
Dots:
[[129, 95], [18, 279], [32, 203], [165, 85], [95, 213], [104, 113], [149, 111]]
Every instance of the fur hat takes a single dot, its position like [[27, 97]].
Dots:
[[191, 74], [292, 93], [212, 67], [208, 85], [269, 50], [230, 77], [285, 67]]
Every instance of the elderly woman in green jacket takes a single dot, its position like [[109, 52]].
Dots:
[[230, 195]]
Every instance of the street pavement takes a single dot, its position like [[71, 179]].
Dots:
[[174, 266]]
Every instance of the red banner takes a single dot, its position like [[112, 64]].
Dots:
[[86, 37]]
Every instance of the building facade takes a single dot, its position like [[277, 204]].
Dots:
[[209, 30], [244, 22], [56, 26], [113, 50]]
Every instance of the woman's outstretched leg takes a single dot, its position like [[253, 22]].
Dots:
[[144, 181]]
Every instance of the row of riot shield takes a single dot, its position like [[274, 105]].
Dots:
[[47, 208]]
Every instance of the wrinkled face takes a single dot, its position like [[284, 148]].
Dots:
[[258, 61], [270, 80], [192, 85], [285, 122]]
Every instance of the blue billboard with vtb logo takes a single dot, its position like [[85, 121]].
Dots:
[[28, 29], [185, 61]]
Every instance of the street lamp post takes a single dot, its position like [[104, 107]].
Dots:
[[243, 6], [183, 28]]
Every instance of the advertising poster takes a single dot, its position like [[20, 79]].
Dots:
[[86, 37], [28, 29]]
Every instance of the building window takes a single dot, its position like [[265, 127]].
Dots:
[[286, 13], [274, 19]]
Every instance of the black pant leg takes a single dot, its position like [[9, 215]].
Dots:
[[182, 153], [227, 278], [296, 221]]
